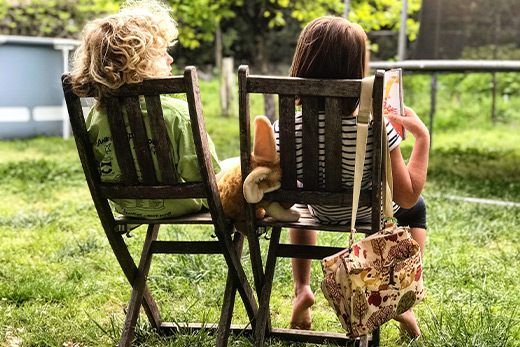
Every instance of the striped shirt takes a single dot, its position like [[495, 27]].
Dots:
[[329, 213]]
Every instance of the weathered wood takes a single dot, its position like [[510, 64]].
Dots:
[[228, 303], [377, 159], [265, 296], [301, 196], [140, 140], [223, 229], [287, 140], [194, 218], [168, 172], [311, 92], [120, 140], [169, 187], [333, 145], [245, 160], [310, 136], [308, 222], [303, 86], [92, 176], [167, 85], [183, 190], [139, 286]]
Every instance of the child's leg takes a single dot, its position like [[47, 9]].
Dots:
[[416, 219], [303, 296], [419, 235]]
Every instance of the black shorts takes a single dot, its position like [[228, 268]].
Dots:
[[414, 217]]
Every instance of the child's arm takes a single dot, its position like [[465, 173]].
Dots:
[[409, 179]]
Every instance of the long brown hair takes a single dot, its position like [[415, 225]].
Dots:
[[331, 48]]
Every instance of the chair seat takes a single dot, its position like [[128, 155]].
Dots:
[[307, 221], [203, 217]]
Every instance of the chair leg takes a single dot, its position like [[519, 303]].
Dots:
[[376, 335], [229, 299], [139, 285], [256, 263], [130, 270], [263, 310], [237, 272], [256, 260]]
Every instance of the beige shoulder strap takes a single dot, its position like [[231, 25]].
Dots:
[[365, 108]]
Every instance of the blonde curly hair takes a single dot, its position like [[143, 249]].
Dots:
[[127, 47]]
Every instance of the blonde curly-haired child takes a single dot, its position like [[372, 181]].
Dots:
[[129, 47]]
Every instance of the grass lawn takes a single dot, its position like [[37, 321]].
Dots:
[[60, 284]]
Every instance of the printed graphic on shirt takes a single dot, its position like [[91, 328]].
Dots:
[[106, 166], [144, 205]]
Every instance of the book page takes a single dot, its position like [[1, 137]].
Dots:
[[393, 98]]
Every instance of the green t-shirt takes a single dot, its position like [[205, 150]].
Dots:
[[178, 126]]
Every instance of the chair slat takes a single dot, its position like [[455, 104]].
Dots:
[[333, 144], [180, 191], [168, 173], [287, 140], [121, 141], [140, 140], [200, 139], [377, 160], [310, 137], [303, 86], [168, 85]]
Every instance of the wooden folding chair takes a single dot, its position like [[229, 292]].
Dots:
[[309, 91], [125, 100]]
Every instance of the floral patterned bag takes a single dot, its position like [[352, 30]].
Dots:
[[380, 276], [375, 281]]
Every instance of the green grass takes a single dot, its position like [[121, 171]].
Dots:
[[60, 284]]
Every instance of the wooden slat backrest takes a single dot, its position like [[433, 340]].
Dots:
[[124, 103], [310, 137], [312, 93], [158, 127], [287, 141]]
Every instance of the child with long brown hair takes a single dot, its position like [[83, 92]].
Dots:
[[332, 48], [129, 47]]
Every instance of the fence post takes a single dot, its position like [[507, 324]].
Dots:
[[226, 87], [433, 98], [494, 99]]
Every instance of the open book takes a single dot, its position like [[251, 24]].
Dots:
[[393, 98]]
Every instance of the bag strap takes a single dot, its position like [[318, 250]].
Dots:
[[363, 117]]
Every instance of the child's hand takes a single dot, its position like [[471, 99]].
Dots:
[[411, 122]]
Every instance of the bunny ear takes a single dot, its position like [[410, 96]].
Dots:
[[252, 191], [265, 144]]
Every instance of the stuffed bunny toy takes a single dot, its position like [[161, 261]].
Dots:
[[264, 177]]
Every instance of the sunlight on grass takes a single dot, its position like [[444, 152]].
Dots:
[[60, 282]]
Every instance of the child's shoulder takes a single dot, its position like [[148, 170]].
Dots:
[[175, 107], [173, 103]]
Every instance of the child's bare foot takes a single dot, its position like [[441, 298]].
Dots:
[[301, 312], [408, 324]]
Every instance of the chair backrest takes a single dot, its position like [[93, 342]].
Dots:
[[125, 100], [312, 93]]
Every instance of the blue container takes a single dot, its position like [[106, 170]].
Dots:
[[31, 98]]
